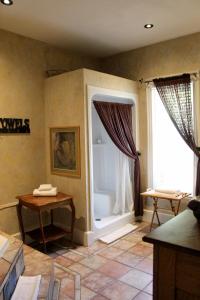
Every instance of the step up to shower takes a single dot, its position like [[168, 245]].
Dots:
[[117, 234]]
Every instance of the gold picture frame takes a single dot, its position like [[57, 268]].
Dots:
[[65, 151]]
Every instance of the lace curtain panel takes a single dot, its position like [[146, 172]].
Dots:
[[176, 96]]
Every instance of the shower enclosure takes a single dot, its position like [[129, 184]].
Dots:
[[111, 175], [98, 193]]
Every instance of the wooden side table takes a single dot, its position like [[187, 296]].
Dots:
[[40, 204], [170, 197]]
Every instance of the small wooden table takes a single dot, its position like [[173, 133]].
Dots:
[[170, 197], [40, 204]]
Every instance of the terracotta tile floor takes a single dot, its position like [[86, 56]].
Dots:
[[119, 271]]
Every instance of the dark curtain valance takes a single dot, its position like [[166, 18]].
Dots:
[[175, 93], [185, 78], [117, 120]]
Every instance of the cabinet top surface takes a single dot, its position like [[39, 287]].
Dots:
[[183, 231], [43, 200]]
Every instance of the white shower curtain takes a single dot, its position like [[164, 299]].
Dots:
[[111, 169], [123, 191]]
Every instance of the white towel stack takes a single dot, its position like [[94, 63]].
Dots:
[[45, 190], [4, 243], [27, 288], [167, 191]]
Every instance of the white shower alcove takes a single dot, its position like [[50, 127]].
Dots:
[[69, 103], [109, 168]]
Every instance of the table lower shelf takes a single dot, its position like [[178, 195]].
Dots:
[[51, 233]]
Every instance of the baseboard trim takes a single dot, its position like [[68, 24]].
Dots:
[[80, 237], [89, 238], [78, 234], [17, 235]]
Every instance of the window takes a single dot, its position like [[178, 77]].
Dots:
[[172, 159]]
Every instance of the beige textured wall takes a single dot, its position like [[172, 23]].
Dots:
[[64, 106], [172, 57], [109, 81], [162, 59], [23, 63]]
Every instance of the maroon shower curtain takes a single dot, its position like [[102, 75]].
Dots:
[[175, 93], [117, 120]]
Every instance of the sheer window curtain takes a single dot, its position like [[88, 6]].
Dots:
[[175, 93], [169, 173]]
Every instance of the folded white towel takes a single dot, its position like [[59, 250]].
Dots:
[[165, 191], [4, 243], [27, 288], [52, 192], [45, 187]]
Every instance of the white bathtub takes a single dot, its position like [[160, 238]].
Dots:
[[103, 204]]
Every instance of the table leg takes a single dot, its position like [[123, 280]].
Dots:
[[42, 231], [178, 207], [73, 219], [21, 225], [152, 220], [51, 216], [155, 212], [173, 207]]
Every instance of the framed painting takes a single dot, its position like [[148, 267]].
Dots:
[[65, 151]]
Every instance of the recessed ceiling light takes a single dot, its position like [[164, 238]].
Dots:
[[7, 2], [148, 26]]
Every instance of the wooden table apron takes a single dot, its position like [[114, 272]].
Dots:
[[41, 204]]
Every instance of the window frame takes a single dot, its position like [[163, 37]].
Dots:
[[196, 112]]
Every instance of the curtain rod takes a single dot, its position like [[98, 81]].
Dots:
[[194, 73], [130, 104]]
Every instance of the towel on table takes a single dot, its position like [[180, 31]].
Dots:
[[27, 288], [166, 191], [45, 187], [52, 192]]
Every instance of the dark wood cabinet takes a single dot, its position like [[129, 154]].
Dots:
[[176, 258]]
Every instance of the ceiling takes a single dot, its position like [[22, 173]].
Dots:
[[101, 27]]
